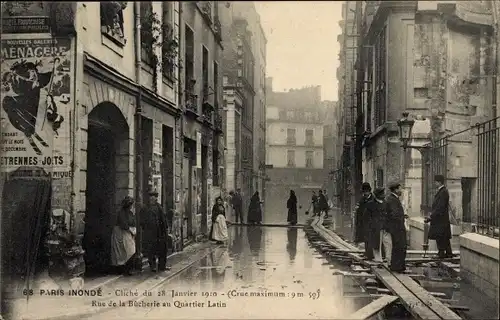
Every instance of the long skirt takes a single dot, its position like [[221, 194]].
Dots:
[[220, 229], [122, 246]]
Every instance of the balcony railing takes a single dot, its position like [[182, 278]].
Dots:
[[309, 142], [291, 142]]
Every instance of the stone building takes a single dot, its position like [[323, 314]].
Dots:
[[202, 126], [436, 61], [246, 10], [294, 148], [330, 142], [110, 123], [346, 175]]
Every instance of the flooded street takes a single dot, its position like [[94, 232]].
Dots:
[[263, 272]]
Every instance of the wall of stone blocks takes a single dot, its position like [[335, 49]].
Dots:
[[417, 238], [479, 264]]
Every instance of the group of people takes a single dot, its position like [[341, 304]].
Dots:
[[218, 231], [155, 225], [320, 203], [380, 224]]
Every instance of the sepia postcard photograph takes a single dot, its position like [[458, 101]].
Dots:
[[249, 160]]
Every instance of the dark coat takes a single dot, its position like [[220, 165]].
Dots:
[[237, 202], [154, 226], [323, 202], [396, 226], [254, 210], [395, 218], [372, 221], [291, 204], [358, 219], [440, 227]]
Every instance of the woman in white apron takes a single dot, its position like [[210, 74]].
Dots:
[[123, 237]]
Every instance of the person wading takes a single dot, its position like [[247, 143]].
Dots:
[[291, 204], [372, 218], [154, 227], [123, 237], [396, 225], [366, 189], [440, 227], [255, 210], [237, 203]]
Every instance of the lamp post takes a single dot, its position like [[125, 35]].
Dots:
[[405, 125]]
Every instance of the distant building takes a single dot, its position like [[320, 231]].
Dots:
[[294, 147]]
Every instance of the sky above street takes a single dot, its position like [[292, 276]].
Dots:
[[302, 47]]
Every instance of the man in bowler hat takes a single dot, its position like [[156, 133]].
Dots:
[[154, 225], [395, 223], [440, 227], [359, 228]]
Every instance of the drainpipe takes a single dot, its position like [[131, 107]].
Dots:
[[138, 130], [180, 105]]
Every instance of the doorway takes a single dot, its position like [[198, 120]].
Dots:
[[106, 186], [204, 188]]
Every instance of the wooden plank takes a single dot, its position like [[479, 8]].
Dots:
[[373, 308], [416, 307], [438, 307], [363, 296], [427, 260]]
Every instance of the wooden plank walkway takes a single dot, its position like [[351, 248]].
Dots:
[[420, 303], [373, 308]]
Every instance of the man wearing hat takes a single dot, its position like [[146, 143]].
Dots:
[[373, 215], [359, 229], [154, 225], [395, 223], [440, 228]]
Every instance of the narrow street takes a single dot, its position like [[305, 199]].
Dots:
[[264, 271]]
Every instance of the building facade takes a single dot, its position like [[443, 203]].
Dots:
[[246, 10], [330, 141], [436, 61], [294, 148], [347, 177], [116, 116], [203, 145]]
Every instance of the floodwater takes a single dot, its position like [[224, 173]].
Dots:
[[264, 273]]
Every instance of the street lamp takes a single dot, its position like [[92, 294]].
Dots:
[[405, 125]]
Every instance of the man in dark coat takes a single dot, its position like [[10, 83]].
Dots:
[[366, 189], [154, 226], [323, 203], [372, 220], [440, 228], [396, 224], [237, 203]]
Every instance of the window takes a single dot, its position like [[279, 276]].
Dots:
[[189, 54], [416, 158], [290, 158], [380, 80], [309, 137], [369, 92], [379, 178], [309, 159], [290, 136], [112, 21], [169, 46], [289, 115], [216, 84], [147, 37], [204, 67]]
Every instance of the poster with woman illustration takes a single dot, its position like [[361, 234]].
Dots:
[[36, 102]]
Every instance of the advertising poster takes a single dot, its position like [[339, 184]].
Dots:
[[36, 102]]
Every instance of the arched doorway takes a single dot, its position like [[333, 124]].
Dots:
[[107, 182]]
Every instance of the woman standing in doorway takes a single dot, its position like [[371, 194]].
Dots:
[[123, 237], [255, 210]]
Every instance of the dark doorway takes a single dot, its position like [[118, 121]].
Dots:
[[204, 189], [467, 189], [107, 130]]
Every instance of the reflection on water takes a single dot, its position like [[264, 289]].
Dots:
[[291, 245], [254, 278]]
